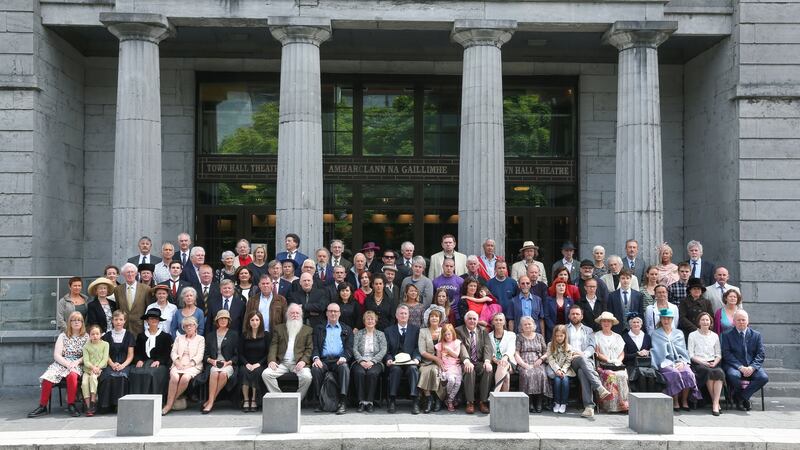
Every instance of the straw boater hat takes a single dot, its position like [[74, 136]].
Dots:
[[93, 287], [607, 315], [528, 244], [402, 359]]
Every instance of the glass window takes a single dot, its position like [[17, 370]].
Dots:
[[235, 194], [541, 196], [441, 121], [239, 118], [440, 215], [538, 122], [337, 119], [388, 121], [388, 195], [337, 213]]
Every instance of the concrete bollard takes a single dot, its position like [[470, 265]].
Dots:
[[508, 412], [650, 413], [139, 415], [280, 412]]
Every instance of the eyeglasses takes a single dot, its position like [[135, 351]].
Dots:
[[76, 320], [389, 256]]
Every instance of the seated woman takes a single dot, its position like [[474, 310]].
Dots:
[[641, 375], [369, 348], [114, 379], [669, 356], [222, 358], [609, 351], [706, 354], [168, 310], [150, 371], [723, 318], [68, 356], [187, 361], [253, 350], [531, 352], [448, 349], [559, 360], [504, 345], [190, 309], [102, 307], [431, 365]]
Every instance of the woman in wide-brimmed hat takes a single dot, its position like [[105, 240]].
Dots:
[[150, 371], [609, 352], [101, 308]]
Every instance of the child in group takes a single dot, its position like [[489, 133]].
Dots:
[[95, 358], [448, 350], [560, 359]]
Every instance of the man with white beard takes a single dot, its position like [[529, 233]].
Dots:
[[290, 351]]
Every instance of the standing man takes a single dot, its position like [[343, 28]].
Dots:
[[404, 265], [184, 245], [587, 273], [677, 290], [423, 284], [290, 351], [529, 252], [392, 289], [207, 288], [271, 306], [539, 288], [228, 300], [175, 283], [337, 255], [632, 261], [161, 273], [526, 304], [333, 352], [339, 275], [488, 258], [475, 270], [742, 358], [715, 291], [567, 260], [132, 299], [324, 271], [144, 256], [503, 288], [448, 252], [700, 268], [280, 285], [389, 257], [313, 300], [476, 358], [292, 244], [625, 302], [449, 280], [191, 271], [401, 339]]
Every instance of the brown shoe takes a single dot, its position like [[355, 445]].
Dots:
[[470, 408], [484, 408]]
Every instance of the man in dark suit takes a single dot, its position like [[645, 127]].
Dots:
[[184, 246], [230, 300], [392, 289], [700, 267], [402, 338], [207, 289], [567, 260], [176, 284], [742, 358], [592, 304], [333, 352], [323, 270], [404, 263], [144, 256], [310, 268], [282, 360], [337, 256], [313, 300], [339, 274], [292, 244], [587, 273], [624, 302], [132, 299], [280, 286], [197, 257], [476, 357], [632, 261]]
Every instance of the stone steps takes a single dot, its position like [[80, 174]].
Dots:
[[782, 389], [780, 375]]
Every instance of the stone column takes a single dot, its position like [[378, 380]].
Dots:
[[481, 186], [639, 211], [299, 191], [136, 200]]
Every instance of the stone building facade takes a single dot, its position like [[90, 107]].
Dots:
[[701, 98]]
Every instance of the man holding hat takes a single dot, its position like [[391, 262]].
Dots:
[[402, 357], [567, 251], [528, 252], [691, 307]]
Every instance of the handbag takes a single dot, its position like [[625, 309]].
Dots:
[[612, 367], [643, 361]]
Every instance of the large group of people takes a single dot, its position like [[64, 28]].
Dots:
[[451, 328]]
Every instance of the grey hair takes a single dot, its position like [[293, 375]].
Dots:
[[406, 245], [188, 290], [472, 258], [694, 243], [294, 305], [598, 247], [226, 254], [129, 266], [226, 282], [613, 258], [190, 319], [194, 250], [419, 260]]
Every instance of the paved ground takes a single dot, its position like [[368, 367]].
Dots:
[[780, 423]]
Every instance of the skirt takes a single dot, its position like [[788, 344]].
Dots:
[[148, 380], [251, 378], [678, 380], [111, 388], [429, 377], [616, 381], [703, 373]]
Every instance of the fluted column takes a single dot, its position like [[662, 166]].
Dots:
[[639, 210], [136, 199], [299, 191], [481, 185]]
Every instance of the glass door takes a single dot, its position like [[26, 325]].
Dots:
[[218, 229]]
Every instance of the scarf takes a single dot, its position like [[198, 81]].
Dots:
[[150, 344]]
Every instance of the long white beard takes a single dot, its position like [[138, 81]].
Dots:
[[293, 327]]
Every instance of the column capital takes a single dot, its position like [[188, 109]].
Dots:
[[137, 26], [304, 30], [646, 33], [472, 32]]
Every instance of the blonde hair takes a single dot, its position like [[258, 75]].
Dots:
[[82, 331], [564, 345], [448, 328], [370, 313]]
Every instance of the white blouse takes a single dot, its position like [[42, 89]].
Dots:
[[610, 346], [706, 347]]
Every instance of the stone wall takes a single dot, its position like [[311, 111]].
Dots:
[[597, 159], [768, 98]]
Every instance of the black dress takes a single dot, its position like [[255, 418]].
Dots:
[[350, 313], [146, 379], [253, 351], [113, 385], [385, 311]]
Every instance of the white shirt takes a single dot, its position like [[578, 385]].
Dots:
[[288, 357]]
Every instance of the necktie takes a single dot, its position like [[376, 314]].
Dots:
[[291, 255], [721, 290], [183, 259], [408, 263], [144, 259], [205, 293], [130, 297], [322, 274], [473, 351], [402, 335], [275, 285], [633, 264], [625, 297], [226, 305], [744, 345], [174, 288], [694, 269], [335, 262]]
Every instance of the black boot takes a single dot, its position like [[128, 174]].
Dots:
[[428, 403], [537, 405], [39, 411], [414, 406], [73, 411], [437, 404], [392, 406], [530, 403]]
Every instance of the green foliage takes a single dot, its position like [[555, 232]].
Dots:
[[527, 125], [261, 138], [389, 131]]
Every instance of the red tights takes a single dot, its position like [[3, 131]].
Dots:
[[72, 389]]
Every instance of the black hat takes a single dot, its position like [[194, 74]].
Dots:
[[587, 263], [147, 266], [695, 283], [290, 260], [567, 246], [153, 312]]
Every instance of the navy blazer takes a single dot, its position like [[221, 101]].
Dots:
[[550, 314], [236, 310], [707, 269], [733, 354], [630, 347], [409, 346], [299, 257], [321, 331], [614, 305], [189, 274]]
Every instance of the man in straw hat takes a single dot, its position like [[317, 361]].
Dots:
[[528, 253]]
